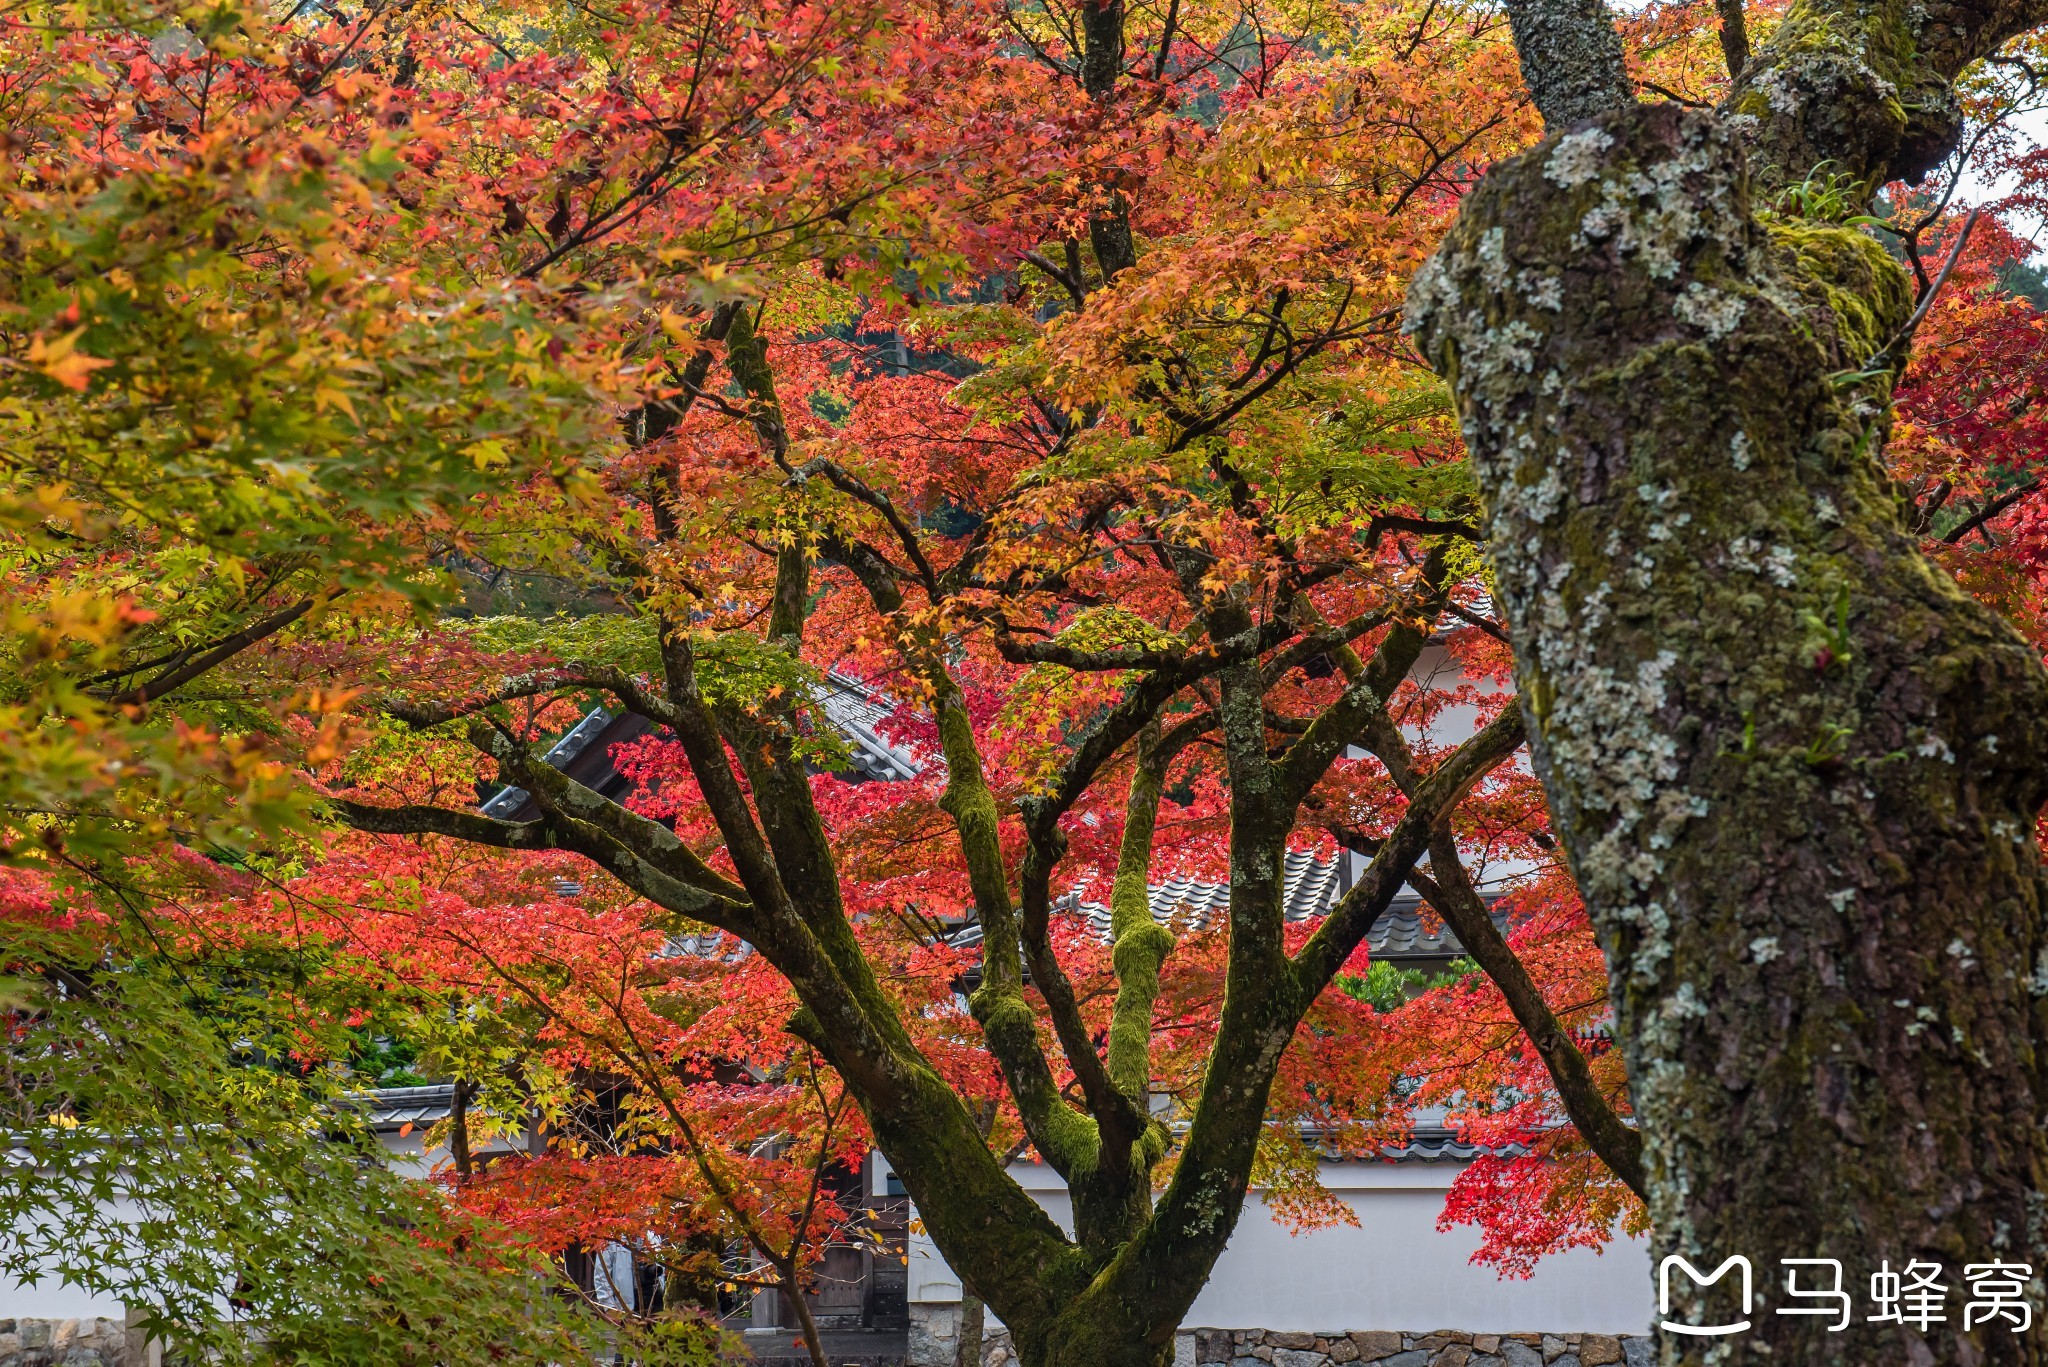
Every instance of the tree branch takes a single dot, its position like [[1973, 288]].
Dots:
[[469, 827], [564, 799], [226, 649], [1991, 510], [855, 488], [1138, 944], [1571, 59], [1076, 288], [1354, 914], [1454, 898]]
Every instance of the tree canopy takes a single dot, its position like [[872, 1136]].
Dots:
[[387, 386]]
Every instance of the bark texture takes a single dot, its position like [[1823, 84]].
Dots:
[[1795, 770]]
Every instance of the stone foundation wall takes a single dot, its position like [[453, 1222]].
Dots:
[[66, 1343], [1385, 1348], [934, 1330]]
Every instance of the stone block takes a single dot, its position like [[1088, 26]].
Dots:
[[1375, 1344], [1597, 1350], [1552, 1346], [1518, 1354], [1212, 1345], [1289, 1339], [1413, 1357], [1486, 1343], [1638, 1352], [933, 1329], [1565, 1360], [1184, 1350], [35, 1334], [1452, 1355], [1486, 1360], [1343, 1350], [1299, 1357]]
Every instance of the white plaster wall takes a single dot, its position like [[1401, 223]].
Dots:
[[52, 1300], [1434, 668], [1396, 1270], [48, 1298]]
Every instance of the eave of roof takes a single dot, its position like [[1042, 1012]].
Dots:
[[1406, 931], [389, 1109]]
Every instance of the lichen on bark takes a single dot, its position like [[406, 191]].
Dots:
[[1789, 762]]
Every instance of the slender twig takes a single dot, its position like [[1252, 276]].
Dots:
[[1890, 353]]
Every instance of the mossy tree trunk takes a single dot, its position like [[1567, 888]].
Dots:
[[1795, 769]]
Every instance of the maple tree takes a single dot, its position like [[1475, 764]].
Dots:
[[769, 510], [1133, 549], [680, 1121], [174, 1153], [1038, 366], [281, 345]]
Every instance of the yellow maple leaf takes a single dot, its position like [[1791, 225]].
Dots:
[[328, 396], [63, 362]]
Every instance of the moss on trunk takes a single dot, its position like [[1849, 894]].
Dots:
[[1795, 769]]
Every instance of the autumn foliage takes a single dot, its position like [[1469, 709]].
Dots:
[[386, 384]]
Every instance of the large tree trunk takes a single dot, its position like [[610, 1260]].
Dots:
[[1795, 770]]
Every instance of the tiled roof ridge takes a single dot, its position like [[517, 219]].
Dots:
[[852, 706], [1429, 1140], [1311, 886]]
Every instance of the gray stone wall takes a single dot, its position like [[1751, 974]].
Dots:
[[1385, 1348], [934, 1331], [65, 1343]]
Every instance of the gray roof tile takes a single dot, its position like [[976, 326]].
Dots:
[[857, 711], [393, 1108], [1405, 930], [854, 709]]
